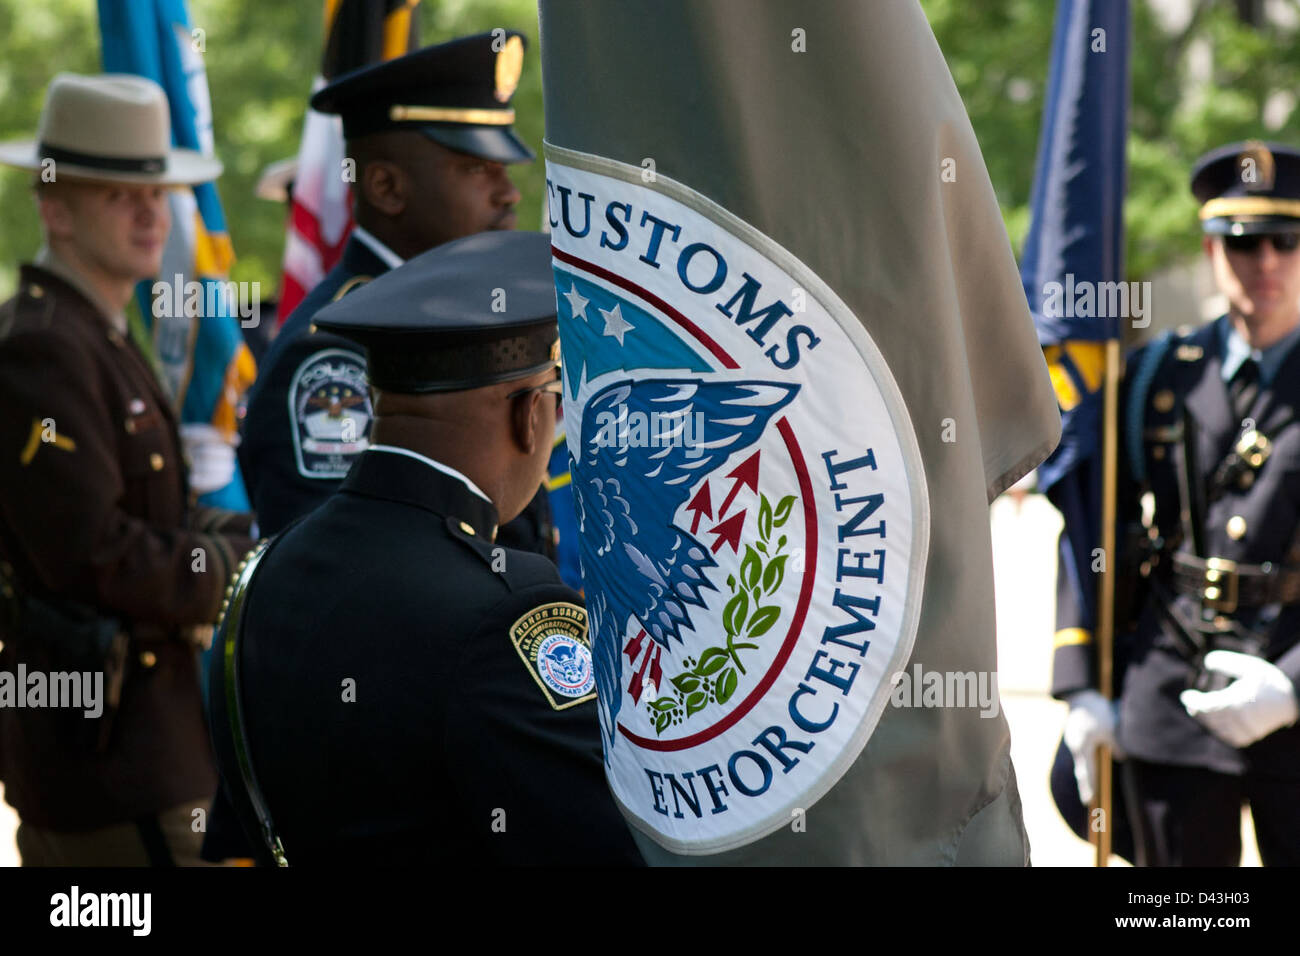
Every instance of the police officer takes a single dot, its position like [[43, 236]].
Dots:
[[1209, 426], [431, 134], [408, 690], [106, 568]]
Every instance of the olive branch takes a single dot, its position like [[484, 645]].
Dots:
[[715, 675]]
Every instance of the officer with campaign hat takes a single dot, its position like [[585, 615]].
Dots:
[[1210, 426], [399, 687], [431, 135]]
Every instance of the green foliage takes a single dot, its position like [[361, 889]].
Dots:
[[716, 675], [998, 52], [261, 58]]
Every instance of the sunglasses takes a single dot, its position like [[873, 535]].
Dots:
[[1282, 241]]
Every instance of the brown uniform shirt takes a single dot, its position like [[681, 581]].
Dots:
[[94, 509]]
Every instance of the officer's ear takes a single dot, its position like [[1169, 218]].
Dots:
[[527, 420], [56, 204], [384, 187]]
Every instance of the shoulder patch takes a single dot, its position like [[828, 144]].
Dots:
[[329, 413], [552, 642]]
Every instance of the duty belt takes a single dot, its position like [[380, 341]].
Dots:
[[1223, 586]]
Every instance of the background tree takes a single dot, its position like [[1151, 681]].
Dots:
[[1204, 72]]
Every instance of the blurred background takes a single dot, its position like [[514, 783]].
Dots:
[[1204, 72]]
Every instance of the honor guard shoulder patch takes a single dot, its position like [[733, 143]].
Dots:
[[329, 410], [552, 643]]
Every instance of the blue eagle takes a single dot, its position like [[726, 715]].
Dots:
[[629, 481]]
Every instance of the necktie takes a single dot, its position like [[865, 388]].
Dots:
[[1244, 388]]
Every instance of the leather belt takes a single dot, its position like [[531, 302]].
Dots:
[[1224, 586]]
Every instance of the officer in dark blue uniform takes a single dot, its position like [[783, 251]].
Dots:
[[431, 135], [404, 689], [1210, 426]]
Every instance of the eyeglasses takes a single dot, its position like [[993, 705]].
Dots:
[[1283, 242], [555, 388]]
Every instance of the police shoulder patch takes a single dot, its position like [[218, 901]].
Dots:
[[552, 642], [329, 413]]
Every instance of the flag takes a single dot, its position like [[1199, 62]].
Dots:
[[357, 32], [798, 363], [1075, 246], [194, 324]]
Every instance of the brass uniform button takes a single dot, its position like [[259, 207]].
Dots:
[[1236, 527], [465, 526], [1158, 453], [148, 659], [1211, 594], [156, 462], [130, 426], [311, 329], [35, 291], [1163, 400]]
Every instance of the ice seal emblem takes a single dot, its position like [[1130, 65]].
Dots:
[[565, 666], [751, 502]]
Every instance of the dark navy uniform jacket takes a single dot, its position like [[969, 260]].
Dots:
[[295, 452], [284, 478], [414, 693], [1253, 522]]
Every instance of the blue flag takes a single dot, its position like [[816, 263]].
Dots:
[[195, 324], [1074, 256]]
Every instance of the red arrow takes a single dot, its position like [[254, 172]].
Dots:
[[746, 473], [729, 531], [633, 649], [701, 504]]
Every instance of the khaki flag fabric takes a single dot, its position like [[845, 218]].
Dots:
[[798, 364]]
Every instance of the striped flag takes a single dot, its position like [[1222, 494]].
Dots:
[[196, 335], [357, 32]]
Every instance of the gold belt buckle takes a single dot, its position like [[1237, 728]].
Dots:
[[1220, 592]]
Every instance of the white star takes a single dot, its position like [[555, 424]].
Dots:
[[576, 302], [615, 324]]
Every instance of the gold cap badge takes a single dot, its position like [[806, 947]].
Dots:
[[510, 63], [1257, 168]]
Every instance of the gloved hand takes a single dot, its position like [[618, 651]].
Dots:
[[211, 455], [1260, 700], [1091, 721]]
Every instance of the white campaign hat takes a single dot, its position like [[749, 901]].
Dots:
[[109, 127]]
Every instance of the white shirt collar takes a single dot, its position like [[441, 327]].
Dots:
[[390, 258], [436, 465]]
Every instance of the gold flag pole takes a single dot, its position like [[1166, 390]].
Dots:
[[1100, 824]]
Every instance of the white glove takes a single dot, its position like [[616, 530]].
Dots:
[[1260, 700], [211, 455], [1091, 722]]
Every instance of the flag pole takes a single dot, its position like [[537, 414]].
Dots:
[[1101, 835]]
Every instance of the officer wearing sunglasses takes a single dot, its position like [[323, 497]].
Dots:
[[1209, 655]]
